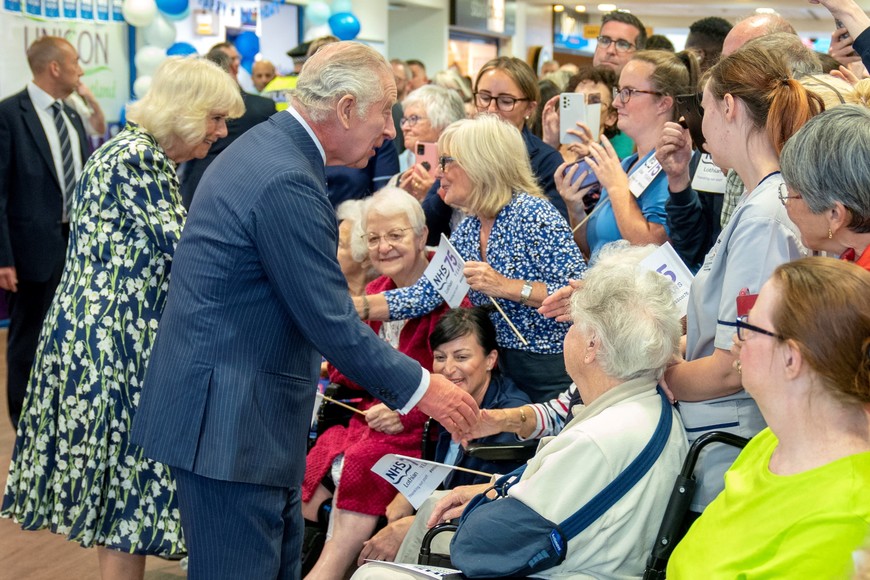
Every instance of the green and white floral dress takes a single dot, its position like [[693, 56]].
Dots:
[[74, 469]]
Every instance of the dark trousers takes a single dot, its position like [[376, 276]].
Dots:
[[27, 309], [541, 376], [235, 530]]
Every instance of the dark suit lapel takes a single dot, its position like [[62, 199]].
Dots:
[[31, 121]]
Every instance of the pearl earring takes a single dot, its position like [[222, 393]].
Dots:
[[830, 234]]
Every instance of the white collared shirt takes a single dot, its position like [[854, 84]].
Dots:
[[42, 103]]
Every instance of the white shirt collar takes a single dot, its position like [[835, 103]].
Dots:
[[308, 128], [39, 98]]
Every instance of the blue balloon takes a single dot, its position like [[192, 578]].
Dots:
[[317, 13], [181, 49], [248, 64], [344, 25], [339, 6], [248, 44], [172, 7], [176, 17]]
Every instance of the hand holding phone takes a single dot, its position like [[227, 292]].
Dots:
[[427, 156], [577, 108]]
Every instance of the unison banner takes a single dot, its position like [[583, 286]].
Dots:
[[102, 49]]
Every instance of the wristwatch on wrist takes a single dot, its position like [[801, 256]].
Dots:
[[526, 292]]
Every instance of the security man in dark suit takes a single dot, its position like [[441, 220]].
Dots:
[[43, 146]]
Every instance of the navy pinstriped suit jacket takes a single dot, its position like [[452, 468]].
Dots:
[[256, 294]]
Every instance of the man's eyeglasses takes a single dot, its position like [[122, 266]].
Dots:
[[746, 330], [412, 120], [626, 93], [620, 44], [392, 238], [443, 161], [784, 196], [505, 103]]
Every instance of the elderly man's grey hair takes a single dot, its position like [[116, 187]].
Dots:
[[392, 201], [799, 59], [339, 69], [442, 105], [828, 161], [631, 312]]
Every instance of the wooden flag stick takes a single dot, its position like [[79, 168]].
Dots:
[[339, 403], [508, 320]]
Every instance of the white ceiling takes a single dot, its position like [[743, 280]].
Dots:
[[800, 12]]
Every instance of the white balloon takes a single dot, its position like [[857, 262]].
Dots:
[[316, 32], [160, 33], [139, 13], [141, 86], [148, 58]]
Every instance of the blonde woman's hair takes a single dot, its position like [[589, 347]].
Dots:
[[493, 154], [183, 93], [832, 90]]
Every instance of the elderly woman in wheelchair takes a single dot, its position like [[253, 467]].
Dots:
[[626, 330]]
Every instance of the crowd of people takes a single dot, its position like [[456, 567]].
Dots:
[[165, 347]]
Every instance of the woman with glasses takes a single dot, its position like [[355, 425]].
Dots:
[[507, 87], [634, 191], [394, 232], [752, 105], [796, 502], [517, 250], [826, 169], [427, 111]]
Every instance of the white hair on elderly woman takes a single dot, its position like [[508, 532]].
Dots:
[[630, 310], [442, 105], [184, 92], [393, 201], [324, 80], [353, 211]]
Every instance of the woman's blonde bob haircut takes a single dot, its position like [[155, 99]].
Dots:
[[493, 155], [183, 93]]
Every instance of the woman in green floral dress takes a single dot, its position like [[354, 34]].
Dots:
[[73, 468]]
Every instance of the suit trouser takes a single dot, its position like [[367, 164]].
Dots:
[[235, 530], [27, 309]]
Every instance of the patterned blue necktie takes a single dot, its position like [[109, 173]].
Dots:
[[68, 182]]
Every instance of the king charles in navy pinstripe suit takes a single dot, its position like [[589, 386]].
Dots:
[[256, 296]]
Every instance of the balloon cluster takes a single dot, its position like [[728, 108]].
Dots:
[[342, 22], [155, 19]]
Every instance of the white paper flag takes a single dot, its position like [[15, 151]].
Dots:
[[666, 262], [445, 273], [416, 479]]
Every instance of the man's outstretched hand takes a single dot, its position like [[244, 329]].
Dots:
[[451, 406]]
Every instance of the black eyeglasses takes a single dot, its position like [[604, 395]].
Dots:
[[505, 103], [620, 44], [784, 196], [412, 120], [746, 330], [443, 161], [626, 93]]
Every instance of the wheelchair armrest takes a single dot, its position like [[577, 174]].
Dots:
[[517, 452], [424, 558]]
